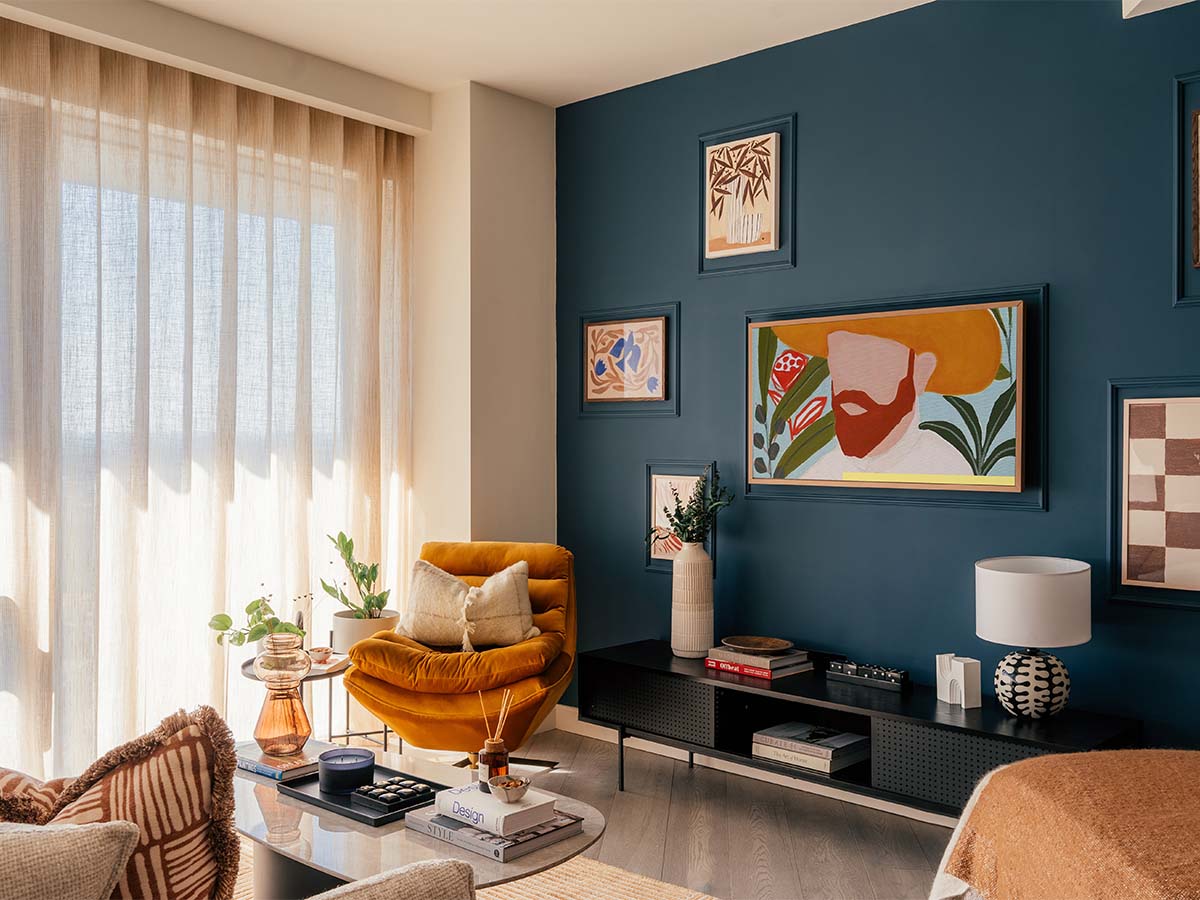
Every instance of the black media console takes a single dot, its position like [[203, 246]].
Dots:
[[924, 753]]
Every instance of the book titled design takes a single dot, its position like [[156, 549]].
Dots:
[[815, 740], [808, 761], [722, 665], [250, 758], [483, 811], [503, 849]]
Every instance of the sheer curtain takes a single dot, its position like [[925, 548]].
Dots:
[[203, 370]]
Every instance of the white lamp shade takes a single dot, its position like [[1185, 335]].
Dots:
[[1033, 601]]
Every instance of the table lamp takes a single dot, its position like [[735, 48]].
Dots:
[[1032, 602]]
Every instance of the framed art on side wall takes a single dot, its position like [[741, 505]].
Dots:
[[629, 361], [1186, 277], [1155, 491], [663, 478]]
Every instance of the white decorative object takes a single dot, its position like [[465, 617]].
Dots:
[[348, 631], [958, 680], [692, 602], [1031, 602]]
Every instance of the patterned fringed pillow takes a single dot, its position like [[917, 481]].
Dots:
[[176, 785], [26, 800]]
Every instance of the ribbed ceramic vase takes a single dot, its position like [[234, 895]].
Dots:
[[692, 602]]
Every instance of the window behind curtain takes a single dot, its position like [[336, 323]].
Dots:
[[203, 371]]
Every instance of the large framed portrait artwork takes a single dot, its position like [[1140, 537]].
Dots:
[[910, 397]]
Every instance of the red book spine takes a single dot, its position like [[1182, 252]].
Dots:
[[737, 668]]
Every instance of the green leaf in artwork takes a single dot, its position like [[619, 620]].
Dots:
[[950, 433], [1003, 451], [967, 411], [809, 441], [1002, 409], [999, 321], [768, 345], [1002, 373], [802, 388]]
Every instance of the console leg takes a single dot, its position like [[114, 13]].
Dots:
[[621, 759], [691, 760]]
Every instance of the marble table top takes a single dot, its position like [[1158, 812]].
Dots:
[[351, 850]]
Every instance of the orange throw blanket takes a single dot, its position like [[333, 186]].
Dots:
[[1117, 823]]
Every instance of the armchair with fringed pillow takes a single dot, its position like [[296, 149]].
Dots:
[[429, 695]]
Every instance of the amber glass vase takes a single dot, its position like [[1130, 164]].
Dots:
[[283, 725]]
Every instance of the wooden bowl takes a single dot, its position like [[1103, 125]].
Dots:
[[759, 646]]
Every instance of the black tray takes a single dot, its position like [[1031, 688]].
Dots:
[[308, 790]]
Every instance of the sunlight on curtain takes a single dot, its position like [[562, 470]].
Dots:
[[203, 370]]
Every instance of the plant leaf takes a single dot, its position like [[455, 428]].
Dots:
[[768, 344], [802, 388], [811, 439], [950, 433], [329, 589], [1003, 451], [1001, 410], [967, 411], [258, 632], [237, 638], [220, 622]]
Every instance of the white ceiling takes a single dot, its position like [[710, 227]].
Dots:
[[552, 51]]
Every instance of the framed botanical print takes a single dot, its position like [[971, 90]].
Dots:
[[747, 211], [629, 361], [665, 477]]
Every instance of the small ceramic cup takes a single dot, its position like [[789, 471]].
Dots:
[[320, 655]]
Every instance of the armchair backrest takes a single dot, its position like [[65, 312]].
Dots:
[[551, 576]]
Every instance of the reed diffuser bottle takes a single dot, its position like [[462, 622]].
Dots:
[[493, 758]]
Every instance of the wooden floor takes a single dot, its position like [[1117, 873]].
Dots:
[[737, 838]]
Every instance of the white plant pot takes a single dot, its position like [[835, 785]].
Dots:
[[348, 631], [692, 602]]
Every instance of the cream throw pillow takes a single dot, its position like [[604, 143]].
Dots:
[[83, 862], [443, 611]]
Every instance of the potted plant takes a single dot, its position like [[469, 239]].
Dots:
[[364, 615], [691, 571]]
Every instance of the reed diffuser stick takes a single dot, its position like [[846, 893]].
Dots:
[[483, 709]]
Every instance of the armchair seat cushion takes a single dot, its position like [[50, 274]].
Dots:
[[411, 666]]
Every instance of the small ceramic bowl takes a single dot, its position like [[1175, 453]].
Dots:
[[320, 654], [508, 788]]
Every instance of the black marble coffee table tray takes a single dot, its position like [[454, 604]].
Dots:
[[308, 790]]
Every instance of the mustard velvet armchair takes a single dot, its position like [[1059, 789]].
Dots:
[[428, 696]]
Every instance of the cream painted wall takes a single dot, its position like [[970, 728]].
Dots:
[[441, 489], [512, 318], [483, 321]]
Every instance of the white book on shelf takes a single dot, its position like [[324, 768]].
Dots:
[[807, 761]]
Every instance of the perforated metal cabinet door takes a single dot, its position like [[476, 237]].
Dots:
[[940, 765], [666, 705]]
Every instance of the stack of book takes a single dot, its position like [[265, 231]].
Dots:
[[811, 746], [768, 666], [469, 818], [281, 768]]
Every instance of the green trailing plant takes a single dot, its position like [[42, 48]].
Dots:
[[692, 521], [261, 621], [370, 603]]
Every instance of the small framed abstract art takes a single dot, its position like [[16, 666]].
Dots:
[[747, 214], [663, 478], [629, 361], [1155, 554]]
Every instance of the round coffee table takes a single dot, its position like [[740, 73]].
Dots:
[[301, 849]]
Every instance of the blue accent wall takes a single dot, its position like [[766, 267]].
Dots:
[[951, 147]]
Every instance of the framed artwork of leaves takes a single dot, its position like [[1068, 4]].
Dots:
[[747, 186]]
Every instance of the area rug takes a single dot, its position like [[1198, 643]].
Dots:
[[576, 879]]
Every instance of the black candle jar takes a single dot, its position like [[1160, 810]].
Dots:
[[341, 770]]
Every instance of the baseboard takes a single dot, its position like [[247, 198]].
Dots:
[[566, 718]]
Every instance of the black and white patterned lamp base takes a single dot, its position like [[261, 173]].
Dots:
[[1032, 684]]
